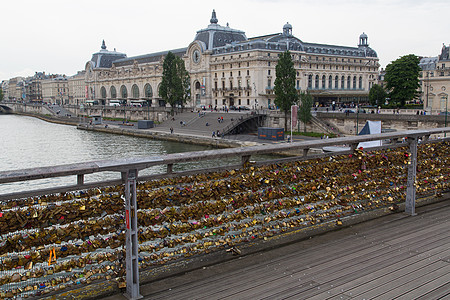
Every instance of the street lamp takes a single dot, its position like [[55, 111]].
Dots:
[[357, 116], [446, 104]]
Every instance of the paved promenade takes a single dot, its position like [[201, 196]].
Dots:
[[395, 256]]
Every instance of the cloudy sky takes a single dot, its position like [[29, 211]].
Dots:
[[58, 36]]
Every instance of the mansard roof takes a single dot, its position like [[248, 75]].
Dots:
[[216, 35], [428, 63], [104, 58], [445, 55], [286, 41], [148, 58]]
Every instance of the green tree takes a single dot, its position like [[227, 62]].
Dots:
[[285, 93], [175, 83], [377, 95], [1, 95], [402, 79], [304, 111]]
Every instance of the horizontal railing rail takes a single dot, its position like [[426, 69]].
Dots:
[[140, 163]]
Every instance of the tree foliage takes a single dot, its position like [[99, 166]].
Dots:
[[402, 79], [304, 111], [175, 83], [1, 95], [377, 95], [285, 93]]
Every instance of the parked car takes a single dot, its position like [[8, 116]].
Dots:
[[349, 111], [243, 108], [443, 113]]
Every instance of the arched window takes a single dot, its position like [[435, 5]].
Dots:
[[342, 82], [324, 81], [310, 82], [197, 85], [135, 91], [360, 82], [103, 92], [330, 82], [148, 93], [354, 82], [349, 81], [123, 92], [316, 84], [336, 82], [113, 92]]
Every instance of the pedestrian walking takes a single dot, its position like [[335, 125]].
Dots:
[[171, 130], [213, 134]]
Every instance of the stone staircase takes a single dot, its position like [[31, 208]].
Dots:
[[203, 123]]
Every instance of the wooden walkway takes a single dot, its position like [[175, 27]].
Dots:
[[393, 257]]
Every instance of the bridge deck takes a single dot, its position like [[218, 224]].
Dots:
[[395, 256]]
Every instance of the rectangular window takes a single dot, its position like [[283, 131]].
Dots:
[[248, 101], [239, 101], [269, 83], [268, 72]]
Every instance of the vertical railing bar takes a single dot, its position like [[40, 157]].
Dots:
[[131, 237], [410, 204]]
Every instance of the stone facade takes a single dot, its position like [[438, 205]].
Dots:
[[77, 88], [229, 69], [435, 81], [5, 89], [14, 89], [55, 90]]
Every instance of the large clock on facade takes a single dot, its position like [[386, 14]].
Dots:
[[196, 56]]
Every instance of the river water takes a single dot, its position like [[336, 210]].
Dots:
[[28, 142]]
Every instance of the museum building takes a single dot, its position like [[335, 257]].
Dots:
[[228, 69], [435, 81]]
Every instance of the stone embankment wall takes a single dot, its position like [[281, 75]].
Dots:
[[399, 122]]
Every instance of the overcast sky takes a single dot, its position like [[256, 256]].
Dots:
[[58, 36]]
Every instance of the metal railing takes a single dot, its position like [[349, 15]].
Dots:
[[91, 227]]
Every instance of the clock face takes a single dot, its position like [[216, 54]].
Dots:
[[196, 56]]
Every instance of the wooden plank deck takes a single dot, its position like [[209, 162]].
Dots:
[[393, 257]]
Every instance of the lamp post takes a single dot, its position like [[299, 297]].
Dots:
[[446, 104], [357, 117]]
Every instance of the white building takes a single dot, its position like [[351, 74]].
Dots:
[[227, 68]]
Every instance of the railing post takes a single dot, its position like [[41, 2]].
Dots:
[[131, 238], [305, 151], [80, 179], [410, 204], [169, 168], [245, 160]]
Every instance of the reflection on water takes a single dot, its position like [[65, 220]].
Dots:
[[29, 142]]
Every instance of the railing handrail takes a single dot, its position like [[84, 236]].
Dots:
[[139, 163]]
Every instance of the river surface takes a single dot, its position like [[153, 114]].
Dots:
[[28, 142]]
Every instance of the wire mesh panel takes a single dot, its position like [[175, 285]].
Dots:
[[54, 242]]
